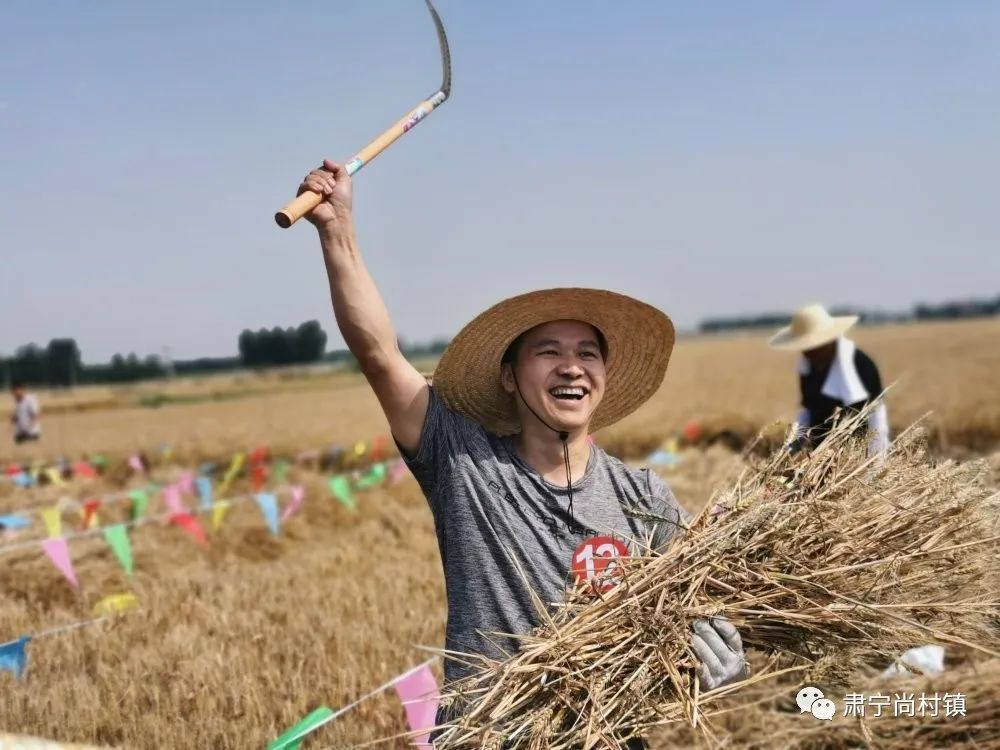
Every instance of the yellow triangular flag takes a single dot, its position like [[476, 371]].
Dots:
[[232, 471], [360, 448], [114, 604], [54, 476], [218, 513], [53, 521]]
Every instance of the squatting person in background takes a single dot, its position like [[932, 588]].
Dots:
[[833, 374], [26, 417], [522, 501]]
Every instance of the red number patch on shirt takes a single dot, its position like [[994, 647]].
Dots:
[[594, 562]]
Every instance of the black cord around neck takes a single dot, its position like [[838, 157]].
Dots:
[[563, 436]]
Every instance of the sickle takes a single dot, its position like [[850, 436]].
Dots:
[[306, 202]]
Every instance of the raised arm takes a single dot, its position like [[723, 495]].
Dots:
[[360, 311]]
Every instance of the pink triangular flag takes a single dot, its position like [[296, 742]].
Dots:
[[298, 493], [172, 499], [135, 463], [397, 470], [186, 483], [58, 552], [418, 692]]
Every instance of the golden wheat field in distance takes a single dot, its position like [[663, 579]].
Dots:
[[236, 642], [948, 369]]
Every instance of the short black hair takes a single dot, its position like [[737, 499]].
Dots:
[[17, 384], [510, 355]]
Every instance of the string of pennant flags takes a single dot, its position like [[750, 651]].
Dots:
[[342, 487], [259, 475], [57, 471], [56, 547], [417, 690], [13, 654], [15, 522]]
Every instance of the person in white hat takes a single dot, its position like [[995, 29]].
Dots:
[[524, 505], [834, 374]]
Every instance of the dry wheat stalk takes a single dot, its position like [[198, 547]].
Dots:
[[832, 561]]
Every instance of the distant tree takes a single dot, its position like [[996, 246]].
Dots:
[[63, 362], [248, 348], [309, 342], [282, 346], [30, 365]]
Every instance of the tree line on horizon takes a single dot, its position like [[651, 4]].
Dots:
[[954, 310], [60, 363]]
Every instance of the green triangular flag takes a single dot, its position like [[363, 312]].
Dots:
[[117, 538], [375, 475], [291, 739], [280, 470], [139, 502], [341, 490]]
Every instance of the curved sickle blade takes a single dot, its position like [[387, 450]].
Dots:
[[445, 52], [308, 200]]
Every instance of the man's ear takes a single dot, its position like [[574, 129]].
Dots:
[[507, 377]]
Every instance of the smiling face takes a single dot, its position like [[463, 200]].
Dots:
[[559, 367]]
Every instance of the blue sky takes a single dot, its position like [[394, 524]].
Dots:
[[709, 158]]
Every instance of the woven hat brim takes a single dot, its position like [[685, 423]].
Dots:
[[785, 339], [640, 340]]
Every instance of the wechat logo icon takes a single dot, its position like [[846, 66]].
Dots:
[[811, 700]]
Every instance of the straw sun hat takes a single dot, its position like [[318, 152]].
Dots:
[[812, 326], [639, 338]]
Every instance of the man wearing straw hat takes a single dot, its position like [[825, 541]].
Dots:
[[523, 503], [834, 375]]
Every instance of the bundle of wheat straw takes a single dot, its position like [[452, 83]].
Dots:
[[830, 562]]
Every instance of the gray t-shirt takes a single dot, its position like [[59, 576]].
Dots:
[[504, 530]]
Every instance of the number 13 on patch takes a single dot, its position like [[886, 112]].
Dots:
[[594, 562]]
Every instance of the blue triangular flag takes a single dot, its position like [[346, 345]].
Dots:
[[14, 521], [204, 491], [14, 657], [663, 458], [22, 480], [269, 507]]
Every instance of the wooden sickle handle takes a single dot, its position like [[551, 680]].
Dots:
[[298, 208], [309, 200]]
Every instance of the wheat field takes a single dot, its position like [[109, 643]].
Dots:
[[948, 369], [237, 641]]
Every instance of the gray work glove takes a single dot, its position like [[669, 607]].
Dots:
[[720, 649]]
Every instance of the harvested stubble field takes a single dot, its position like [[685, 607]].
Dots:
[[236, 642]]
